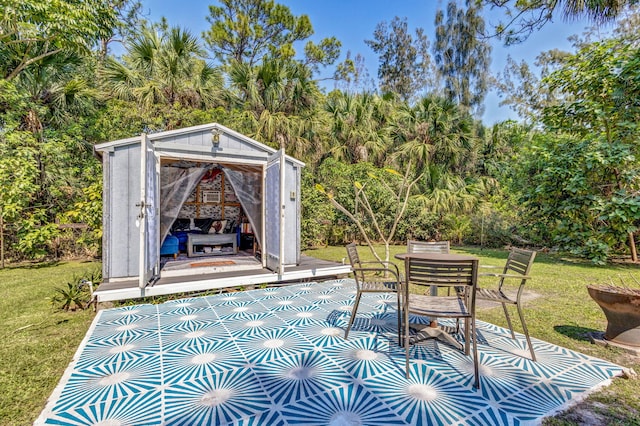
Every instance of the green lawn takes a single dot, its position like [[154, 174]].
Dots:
[[38, 342]]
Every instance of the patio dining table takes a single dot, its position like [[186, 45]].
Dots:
[[433, 329]]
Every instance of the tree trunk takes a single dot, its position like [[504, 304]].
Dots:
[[386, 251], [632, 246], [1, 241]]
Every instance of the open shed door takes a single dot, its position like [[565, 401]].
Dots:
[[274, 211], [149, 216]]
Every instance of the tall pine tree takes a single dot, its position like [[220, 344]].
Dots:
[[461, 57], [404, 60]]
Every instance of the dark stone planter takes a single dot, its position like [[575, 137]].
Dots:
[[621, 306]]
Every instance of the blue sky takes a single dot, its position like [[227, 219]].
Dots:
[[353, 21]]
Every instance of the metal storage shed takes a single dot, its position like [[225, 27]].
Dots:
[[135, 218]]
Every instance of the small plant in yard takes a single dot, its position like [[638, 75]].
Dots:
[[75, 295]]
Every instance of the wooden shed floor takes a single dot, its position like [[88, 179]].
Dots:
[[217, 276]]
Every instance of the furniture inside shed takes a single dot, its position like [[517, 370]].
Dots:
[[201, 204]]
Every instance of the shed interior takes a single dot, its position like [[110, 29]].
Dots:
[[209, 198]]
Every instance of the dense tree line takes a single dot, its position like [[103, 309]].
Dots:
[[564, 177]]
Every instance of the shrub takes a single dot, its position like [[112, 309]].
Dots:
[[76, 295]]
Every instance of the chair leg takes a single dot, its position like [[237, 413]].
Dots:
[[353, 314], [399, 319], [476, 361], [506, 314], [526, 333], [407, 339], [466, 336]]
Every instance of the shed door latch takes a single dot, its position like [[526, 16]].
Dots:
[[142, 206]]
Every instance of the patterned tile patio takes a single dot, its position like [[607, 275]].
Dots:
[[277, 356]]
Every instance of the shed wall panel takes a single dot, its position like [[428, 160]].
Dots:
[[125, 194], [235, 143], [291, 215], [197, 139], [106, 217]]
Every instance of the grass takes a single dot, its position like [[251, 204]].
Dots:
[[38, 342]]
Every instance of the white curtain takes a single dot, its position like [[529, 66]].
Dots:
[[176, 184], [247, 184]]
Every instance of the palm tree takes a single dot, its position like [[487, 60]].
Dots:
[[435, 131], [358, 131], [446, 193], [164, 68], [280, 99], [438, 136]]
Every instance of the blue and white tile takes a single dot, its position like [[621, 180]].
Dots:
[[533, 403], [115, 314], [322, 334], [110, 381], [348, 405], [300, 376], [378, 323], [587, 373], [125, 327], [118, 348], [226, 299], [491, 416], [499, 379], [284, 303], [270, 418], [301, 290], [253, 323], [300, 315], [269, 293], [242, 358], [139, 409], [188, 334], [550, 359], [363, 357], [271, 344], [426, 397], [383, 302], [325, 297], [187, 315], [341, 283], [341, 309], [492, 331], [239, 309], [197, 361], [328, 285], [218, 399], [187, 302]]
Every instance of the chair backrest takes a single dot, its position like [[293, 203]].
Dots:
[[442, 273], [354, 258], [519, 261], [414, 246]]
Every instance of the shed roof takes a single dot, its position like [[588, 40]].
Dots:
[[102, 147]]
